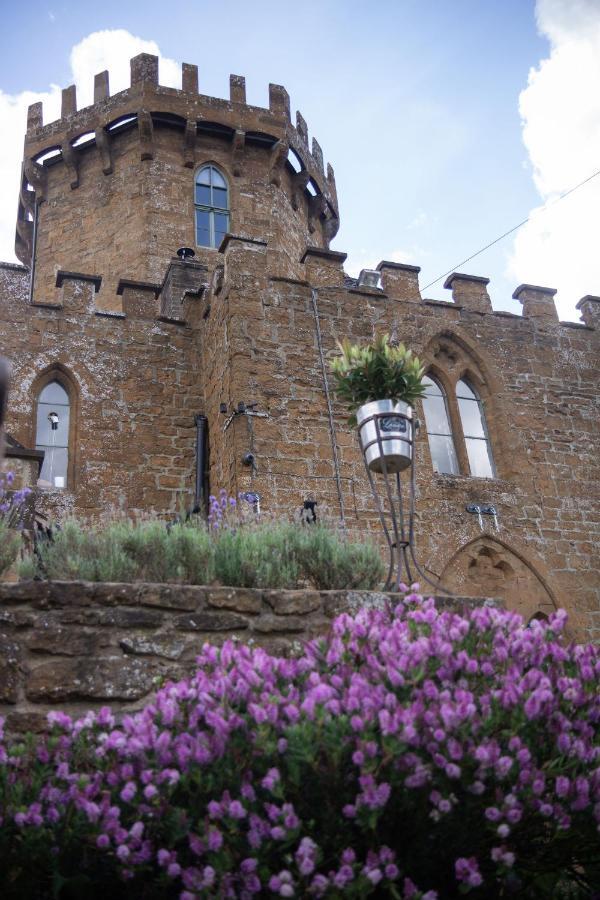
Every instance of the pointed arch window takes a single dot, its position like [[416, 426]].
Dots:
[[52, 433], [211, 199], [439, 432], [474, 429]]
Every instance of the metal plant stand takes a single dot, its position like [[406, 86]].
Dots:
[[396, 510]]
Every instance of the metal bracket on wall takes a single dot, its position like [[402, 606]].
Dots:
[[484, 509], [243, 409]]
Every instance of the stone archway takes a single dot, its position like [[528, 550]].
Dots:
[[486, 567]]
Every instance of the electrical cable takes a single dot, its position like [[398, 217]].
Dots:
[[511, 230]]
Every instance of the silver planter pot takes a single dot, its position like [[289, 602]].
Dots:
[[395, 440]]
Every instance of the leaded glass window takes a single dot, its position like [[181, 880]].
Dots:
[[439, 432], [52, 433], [211, 199], [474, 431]]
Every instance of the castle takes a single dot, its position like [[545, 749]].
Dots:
[[172, 375]]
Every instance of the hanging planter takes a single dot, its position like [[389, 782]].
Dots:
[[379, 383], [385, 430]]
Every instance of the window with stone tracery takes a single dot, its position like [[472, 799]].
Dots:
[[52, 433], [211, 201], [439, 432], [474, 431], [457, 432]]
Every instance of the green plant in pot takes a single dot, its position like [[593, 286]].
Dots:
[[379, 383]]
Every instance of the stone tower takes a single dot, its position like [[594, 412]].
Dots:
[[188, 374], [113, 183]]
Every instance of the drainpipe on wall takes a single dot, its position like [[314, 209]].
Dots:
[[201, 458], [3, 400], [33, 249], [336, 462]]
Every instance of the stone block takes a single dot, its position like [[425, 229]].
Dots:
[[140, 645], [108, 678], [168, 596], [59, 641], [289, 603], [10, 669], [241, 600], [211, 621], [269, 624]]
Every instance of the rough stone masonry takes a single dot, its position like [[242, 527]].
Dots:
[[144, 343]]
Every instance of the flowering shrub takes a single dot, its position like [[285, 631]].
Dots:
[[11, 512], [234, 547], [411, 754]]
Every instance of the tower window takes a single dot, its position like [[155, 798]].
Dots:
[[211, 199], [52, 433], [474, 431], [439, 432]]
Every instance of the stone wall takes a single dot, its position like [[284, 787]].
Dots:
[[77, 646]]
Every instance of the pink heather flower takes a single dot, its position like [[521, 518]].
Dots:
[[271, 779], [128, 792], [150, 791], [562, 786], [137, 829], [215, 839], [215, 810], [236, 810], [503, 831], [174, 870], [343, 876], [164, 857], [123, 852], [103, 841], [467, 871], [374, 875]]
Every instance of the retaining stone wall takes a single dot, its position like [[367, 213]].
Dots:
[[79, 645]]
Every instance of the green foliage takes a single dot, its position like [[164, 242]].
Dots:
[[256, 554], [329, 563], [10, 541], [124, 551], [378, 371]]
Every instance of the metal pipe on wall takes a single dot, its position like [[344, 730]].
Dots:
[[33, 250], [201, 458]]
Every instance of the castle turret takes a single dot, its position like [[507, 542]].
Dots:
[[118, 186]]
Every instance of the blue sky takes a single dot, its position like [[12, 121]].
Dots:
[[428, 110]]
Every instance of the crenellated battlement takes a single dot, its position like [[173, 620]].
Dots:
[[146, 104]]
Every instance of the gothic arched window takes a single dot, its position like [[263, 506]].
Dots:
[[211, 200], [52, 433], [439, 432], [474, 430]]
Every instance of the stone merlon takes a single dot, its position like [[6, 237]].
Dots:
[[469, 291], [537, 302], [590, 310]]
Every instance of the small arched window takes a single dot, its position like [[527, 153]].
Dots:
[[211, 198], [52, 433], [439, 432], [474, 431]]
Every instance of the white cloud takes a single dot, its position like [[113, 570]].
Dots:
[[112, 50], [560, 111]]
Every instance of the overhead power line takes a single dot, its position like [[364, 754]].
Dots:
[[543, 209]]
